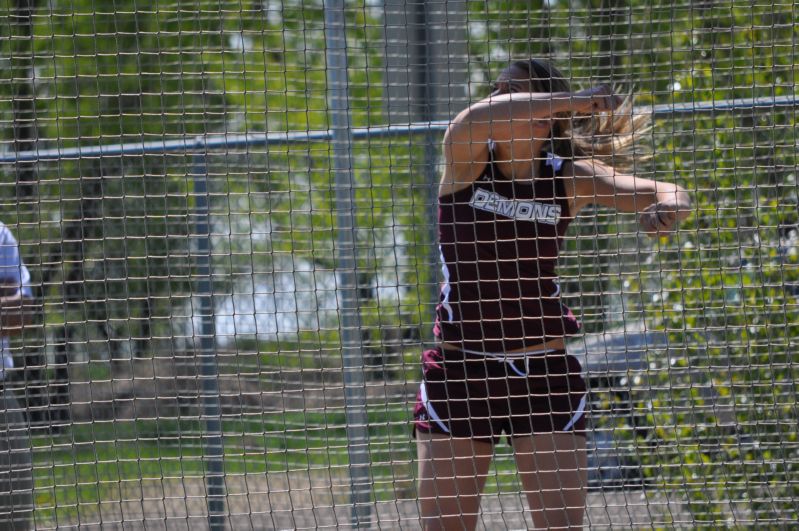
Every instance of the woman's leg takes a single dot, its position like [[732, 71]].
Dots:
[[452, 473], [553, 472]]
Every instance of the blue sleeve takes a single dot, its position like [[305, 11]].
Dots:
[[12, 270]]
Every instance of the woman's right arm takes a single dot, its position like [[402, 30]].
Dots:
[[660, 205], [505, 118]]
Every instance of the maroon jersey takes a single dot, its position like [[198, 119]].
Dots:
[[500, 240]]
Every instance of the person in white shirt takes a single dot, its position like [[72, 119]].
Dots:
[[15, 292], [16, 472]]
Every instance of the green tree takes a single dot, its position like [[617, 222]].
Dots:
[[119, 225]]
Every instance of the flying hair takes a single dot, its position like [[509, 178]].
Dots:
[[608, 137]]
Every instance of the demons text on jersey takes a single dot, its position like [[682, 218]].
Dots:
[[547, 213]]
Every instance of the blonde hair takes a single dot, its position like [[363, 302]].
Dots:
[[609, 137]]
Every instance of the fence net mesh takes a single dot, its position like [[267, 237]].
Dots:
[[189, 354]]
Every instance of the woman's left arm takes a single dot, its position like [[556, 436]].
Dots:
[[660, 205]]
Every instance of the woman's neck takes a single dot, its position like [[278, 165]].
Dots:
[[519, 160]]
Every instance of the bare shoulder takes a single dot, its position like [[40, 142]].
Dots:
[[466, 152]]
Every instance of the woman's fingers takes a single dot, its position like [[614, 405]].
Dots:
[[645, 220], [604, 99], [658, 218]]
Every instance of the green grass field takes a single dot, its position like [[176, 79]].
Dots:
[[92, 466]]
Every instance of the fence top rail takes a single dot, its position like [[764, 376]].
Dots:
[[216, 142]]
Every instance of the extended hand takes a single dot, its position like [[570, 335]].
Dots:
[[660, 218]]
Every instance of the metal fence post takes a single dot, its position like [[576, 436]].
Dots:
[[352, 354], [213, 449]]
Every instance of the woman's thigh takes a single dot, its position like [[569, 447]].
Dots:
[[452, 474], [553, 471]]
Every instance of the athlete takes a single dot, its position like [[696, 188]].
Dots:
[[520, 165], [16, 312]]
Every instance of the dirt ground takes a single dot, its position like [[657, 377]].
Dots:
[[293, 501]]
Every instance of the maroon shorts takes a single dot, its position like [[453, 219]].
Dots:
[[486, 397]]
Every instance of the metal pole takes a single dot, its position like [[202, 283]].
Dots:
[[231, 141], [430, 109], [213, 450], [354, 387], [432, 178]]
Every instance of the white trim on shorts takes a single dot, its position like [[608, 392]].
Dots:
[[429, 407], [577, 415], [514, 355], [511, 358]]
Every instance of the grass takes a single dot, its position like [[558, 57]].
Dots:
[[98, 464], [92, 466]]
